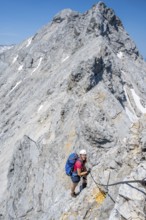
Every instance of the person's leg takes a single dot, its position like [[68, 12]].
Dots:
[[84, 180], [74, 185], [84, 183], [75, 181]]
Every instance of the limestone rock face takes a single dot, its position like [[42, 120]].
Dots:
[[77, 83]]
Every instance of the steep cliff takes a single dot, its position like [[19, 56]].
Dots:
[[78, 83]]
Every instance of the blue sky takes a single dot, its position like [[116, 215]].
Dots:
[[20, 19]]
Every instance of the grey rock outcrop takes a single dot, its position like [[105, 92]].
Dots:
[[78, 83]]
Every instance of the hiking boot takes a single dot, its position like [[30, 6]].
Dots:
[[74, 195]]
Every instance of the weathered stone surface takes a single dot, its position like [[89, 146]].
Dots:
[[131, 200], [79, 82]]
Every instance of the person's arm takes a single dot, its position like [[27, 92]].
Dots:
[[81, 173]]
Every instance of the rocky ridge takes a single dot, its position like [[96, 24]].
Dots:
[[79, 82], [3, 48]]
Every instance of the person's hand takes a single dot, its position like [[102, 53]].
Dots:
[[88, 171]]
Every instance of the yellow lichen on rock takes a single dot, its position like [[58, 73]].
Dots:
[[69, 215], [100, 197]]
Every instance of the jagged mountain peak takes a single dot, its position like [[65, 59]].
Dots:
[[70, 31]]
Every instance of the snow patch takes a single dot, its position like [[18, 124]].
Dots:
[[29, 42], [14, 60], [66, 58], [125, 140], [131, 116], [39, 109], [40, 60], [20, 68], [120, 55], [15, 87], [137, 101], [123, 72]]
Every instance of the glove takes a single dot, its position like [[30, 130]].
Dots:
[[89, 170]]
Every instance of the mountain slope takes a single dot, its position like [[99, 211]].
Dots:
[[78, 83]]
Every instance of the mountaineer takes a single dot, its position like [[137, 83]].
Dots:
[[79, 171]]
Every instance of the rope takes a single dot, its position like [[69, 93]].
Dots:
[[143, 182], [102, 191]]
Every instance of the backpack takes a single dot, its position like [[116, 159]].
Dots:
[[70, 163]]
